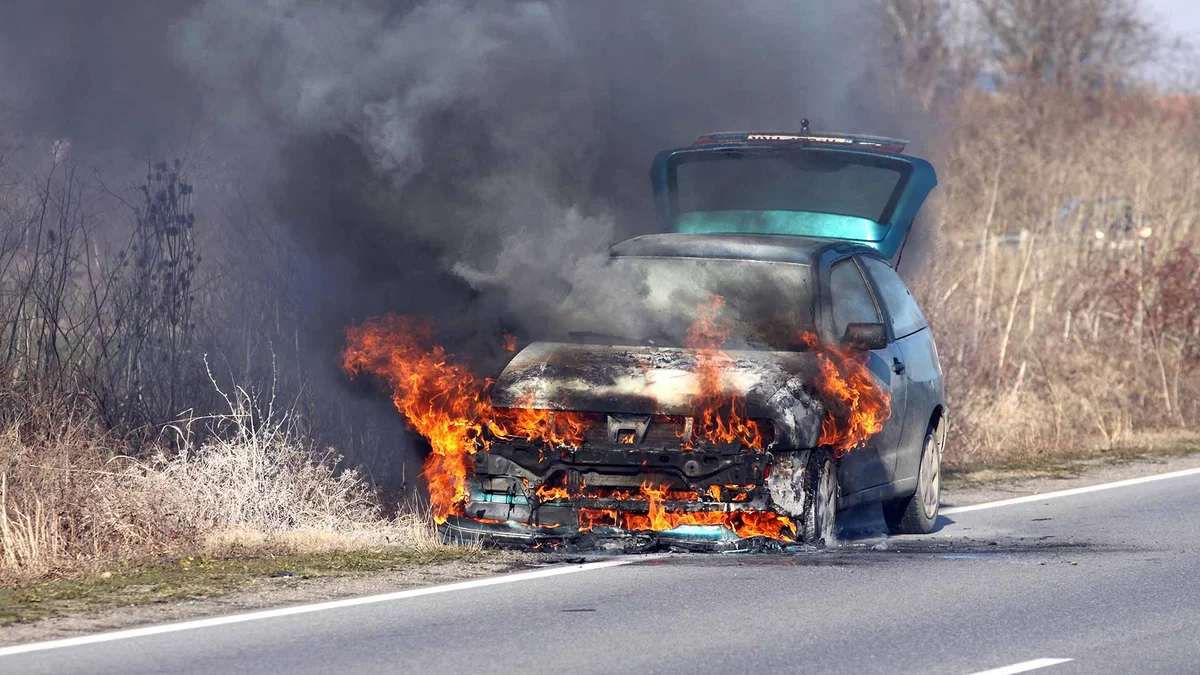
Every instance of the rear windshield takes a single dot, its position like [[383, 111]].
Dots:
[[796, 180], [653, 301]]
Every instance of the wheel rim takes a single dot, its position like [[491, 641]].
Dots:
[[826, 504], [931, 478]]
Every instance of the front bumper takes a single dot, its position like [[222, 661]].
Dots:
[[513, 534], [509, 504]]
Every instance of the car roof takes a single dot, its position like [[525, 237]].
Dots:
[[758, 247]]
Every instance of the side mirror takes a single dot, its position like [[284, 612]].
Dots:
[[865, 336]]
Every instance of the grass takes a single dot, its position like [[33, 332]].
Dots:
[[73, 500], [1072, 461], [201, 577], [85, 527]]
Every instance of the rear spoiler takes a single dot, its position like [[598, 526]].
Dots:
[[863, 141]]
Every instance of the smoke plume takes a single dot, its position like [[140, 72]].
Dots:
[[468, 160]]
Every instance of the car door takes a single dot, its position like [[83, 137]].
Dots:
[[852, 301], [918, 362]]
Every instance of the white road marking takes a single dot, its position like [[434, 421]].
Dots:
[[306, 609], [1022, 667], [1073, 491]]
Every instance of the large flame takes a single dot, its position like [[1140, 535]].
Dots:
[[719, 417], [445, 403], [856, 407]]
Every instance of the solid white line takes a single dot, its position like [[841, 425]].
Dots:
[[1073, 491], [306, 609], [1022, 667]]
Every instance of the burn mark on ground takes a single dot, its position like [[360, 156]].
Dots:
[[1024, 551]]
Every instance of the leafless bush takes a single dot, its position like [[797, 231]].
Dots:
[[89, 304], [254, 469], [67, 496], [1063, 287], [71, 498], [1080, 45]]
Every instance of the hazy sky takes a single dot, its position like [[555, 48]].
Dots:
[[1182, 17]]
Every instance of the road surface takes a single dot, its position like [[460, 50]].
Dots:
[[1108, 579]]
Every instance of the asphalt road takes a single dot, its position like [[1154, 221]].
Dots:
[[1108, 579]]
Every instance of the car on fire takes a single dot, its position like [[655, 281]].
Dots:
[[773, 281]]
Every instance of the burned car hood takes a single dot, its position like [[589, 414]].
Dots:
[[659, 380]]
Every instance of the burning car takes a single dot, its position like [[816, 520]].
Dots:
[[740, 377]]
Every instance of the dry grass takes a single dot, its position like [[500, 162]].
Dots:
[[1054, 340], [71, 500], [66, 496]]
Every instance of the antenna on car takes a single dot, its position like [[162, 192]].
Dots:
[[804, 125]]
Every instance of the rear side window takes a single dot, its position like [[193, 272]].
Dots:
[[850, 296], [905, 314]]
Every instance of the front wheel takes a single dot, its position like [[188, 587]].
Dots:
[[918, 513]]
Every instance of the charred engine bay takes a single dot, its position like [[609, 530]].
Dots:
[[705, 496]]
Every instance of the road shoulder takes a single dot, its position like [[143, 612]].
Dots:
[[80, 608], [988, 486]]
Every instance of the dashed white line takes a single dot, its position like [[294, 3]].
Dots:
[[1073, 491], [1023, 667], [307, 609]]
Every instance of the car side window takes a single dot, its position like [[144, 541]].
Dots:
[[850, 296], [906, 316]]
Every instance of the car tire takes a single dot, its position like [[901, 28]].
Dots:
[[820, 516], [918, 513]]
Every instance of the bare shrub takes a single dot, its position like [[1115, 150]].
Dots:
[[255, 469], [1083, 44], [67, 497], [1063, 285], [70, 498]]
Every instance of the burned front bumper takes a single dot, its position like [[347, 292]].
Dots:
[[512, 534], [528, 494]]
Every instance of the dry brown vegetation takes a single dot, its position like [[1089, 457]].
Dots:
[[72, 499], [116, 440], [1062, 279], [1063, 283]]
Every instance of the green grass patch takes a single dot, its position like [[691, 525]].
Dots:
[[196, 577]]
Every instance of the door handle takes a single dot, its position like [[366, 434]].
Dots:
[[897, 366]]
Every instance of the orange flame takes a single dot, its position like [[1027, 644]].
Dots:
[[443, 402], [535, 424], [857, 407], [658, 518], [549, 493], [720, 417], [510, 341]]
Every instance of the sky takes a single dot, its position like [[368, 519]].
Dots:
[[1181, 17]]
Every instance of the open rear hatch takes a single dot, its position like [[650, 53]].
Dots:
[[829, 186]]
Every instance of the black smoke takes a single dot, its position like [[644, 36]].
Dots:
[[469, 160]]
